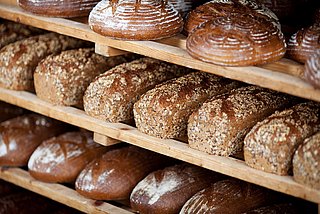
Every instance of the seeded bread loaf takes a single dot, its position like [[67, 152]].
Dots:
[[306, 162], [20, 136], [11, 32], [163, 111], [219, 126], [117, 172], [63, 78], [165, 191], [111, 96], [18, 60], [270, 144], [228, 197], [61, 159]]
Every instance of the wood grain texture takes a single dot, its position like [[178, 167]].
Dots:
[[281, 80], [104, 140], [225, 165], [58, 192]]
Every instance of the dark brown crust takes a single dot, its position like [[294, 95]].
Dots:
[[56, 8], [20, 136], [122, 169], [8, 111], [312, 69], [61, 159]]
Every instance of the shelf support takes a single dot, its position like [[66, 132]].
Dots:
[[108, 51], [105, 140]]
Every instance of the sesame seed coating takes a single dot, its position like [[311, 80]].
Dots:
[[164, 111], [270, 144], [222, 122]]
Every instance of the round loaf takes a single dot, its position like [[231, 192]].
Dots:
[[164, 111], [219, 126], [237, 40], [62, 79], [228, 197], [312, 69], [111, 96], [11, 32], [117, 172], [270, 144], [61, 159], [20, 136], [8, 111], [165, 191], [306, 162], [222, 8], [58, 8], [183, 6], [304, 43], [135, 20], [18, 60]]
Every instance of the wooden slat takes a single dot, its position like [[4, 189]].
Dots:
[[172, 148], [260, 76], [58, 192], [105, 140], [108, 51]]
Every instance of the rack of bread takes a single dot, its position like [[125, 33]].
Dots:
[[163, 96]]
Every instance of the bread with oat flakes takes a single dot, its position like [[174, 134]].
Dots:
[[220, 124], [63, 78], [18, 60], [111, 95], [164, 111], [270, 144], [306, 162]]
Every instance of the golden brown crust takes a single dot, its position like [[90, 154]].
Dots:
[[164, 111], [20, 136], [306, 162], [116, 173], [304, 43], [18, 60], [165, 191], [62, 79], [135, 20], [58, 8], [237, 40], [219, 126], [312, 69], [228, 197], [111, 95], [61, 159], [270, 144]]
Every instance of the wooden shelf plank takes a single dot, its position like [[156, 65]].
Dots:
[[58, 192], [176, 149], [171, 50]]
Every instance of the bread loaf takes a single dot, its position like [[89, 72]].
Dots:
[[135, 20], [228, 197], [182, 6], [270, 144], [61, 159], [111, 96], [163, 111], [165, 191], [8, 111], [18, 60], [306, 162], [20, 136], [275, 209], [222, 8], [58, 8], [219, 126], [304, 43], [62, 79], [117, 172], [11, 32], [237, 40], [312, 69]]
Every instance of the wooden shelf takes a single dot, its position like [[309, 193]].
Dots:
[[58, 192], [173, 148], [282, 76]]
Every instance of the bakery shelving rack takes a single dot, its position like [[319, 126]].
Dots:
[[284, 76]]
